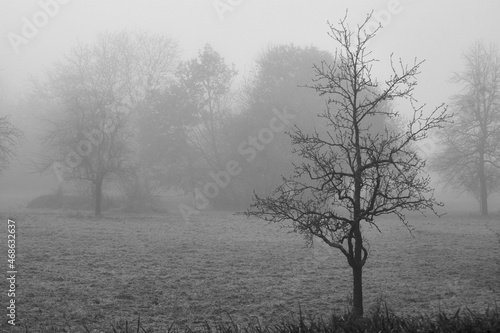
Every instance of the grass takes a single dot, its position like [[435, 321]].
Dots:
[[377, 321], [76, 271]]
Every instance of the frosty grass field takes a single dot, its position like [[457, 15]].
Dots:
[[76, 271]]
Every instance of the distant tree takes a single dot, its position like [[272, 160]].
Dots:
[[183, 135], [277, 85], [10, 135], [91, 99], [350, 175], [207, 81], [470, 159], [155, 60], [164, 139], [274, 86], [2, 90], [279, 72]]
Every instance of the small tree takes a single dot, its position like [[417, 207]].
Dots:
[[350, 174], [470, 159]]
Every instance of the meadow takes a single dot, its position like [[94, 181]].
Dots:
[[81, 274]]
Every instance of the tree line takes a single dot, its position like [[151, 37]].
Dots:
[[170, 123], [127, 110]]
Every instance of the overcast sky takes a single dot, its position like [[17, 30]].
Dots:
[[438, 31]]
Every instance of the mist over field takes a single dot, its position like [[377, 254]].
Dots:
[[186, 161]]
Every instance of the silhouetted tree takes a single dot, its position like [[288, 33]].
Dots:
[[470, 159], [350, 175]]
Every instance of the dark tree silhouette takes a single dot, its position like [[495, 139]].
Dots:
[[350, 174]]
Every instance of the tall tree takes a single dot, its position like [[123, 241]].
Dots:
[[92, 97], [182, 132], [165, 148], [275, 86], [207, 81], [280, 74], [349, 175], [470, 159]]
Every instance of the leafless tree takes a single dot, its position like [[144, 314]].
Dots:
[[10, 135], [470, 159], [351, 175], [92, 97], [9, 138]]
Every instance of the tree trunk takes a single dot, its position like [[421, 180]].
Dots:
[[357, 271], [483, 189], [357, 297], [98, 197]]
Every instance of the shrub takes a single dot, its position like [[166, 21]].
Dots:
[[138, 193], [60, 201]]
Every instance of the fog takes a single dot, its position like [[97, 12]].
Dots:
[[210, 165], [240, 31]]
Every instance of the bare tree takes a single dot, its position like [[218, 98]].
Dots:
[[9, 138], [9, 134], [85, 96], [351, 175], [470, 159], [93, 97]]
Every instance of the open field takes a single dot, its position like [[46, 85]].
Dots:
[[76, 271]]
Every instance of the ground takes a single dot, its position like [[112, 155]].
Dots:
[[75, 271]]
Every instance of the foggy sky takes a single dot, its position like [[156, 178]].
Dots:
[[439, 31]]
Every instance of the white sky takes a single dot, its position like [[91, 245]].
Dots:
[[439, 31]]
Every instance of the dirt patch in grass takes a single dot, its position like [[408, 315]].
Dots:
[[76, 271]]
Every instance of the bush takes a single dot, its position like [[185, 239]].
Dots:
[[60, 201], [138, 193]]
